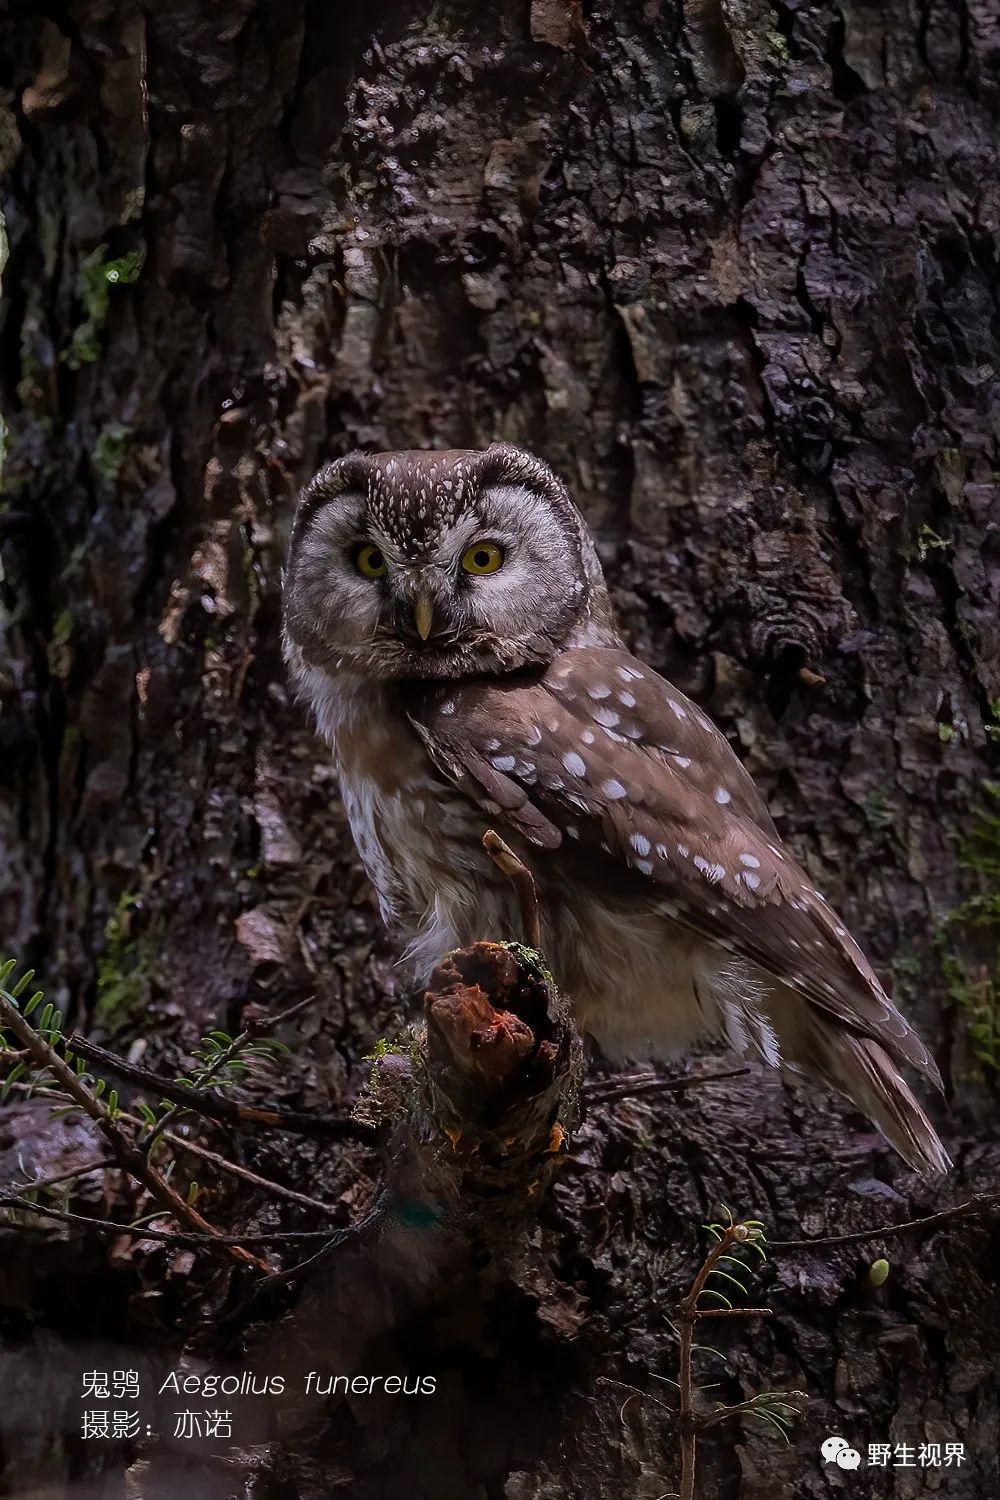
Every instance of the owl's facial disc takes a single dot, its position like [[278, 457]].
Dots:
[[432, 565]]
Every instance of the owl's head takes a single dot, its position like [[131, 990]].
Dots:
[[438, 565]]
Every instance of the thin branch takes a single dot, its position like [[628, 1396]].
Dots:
[[263, 1025], [601, 1091], [982, 1203], [143, 1232], [517, 871], [225, 1165], [218, 1106], [734, 1312], [33, 1185], [236, 1317], [793, 1398], [127, 1155], [222, 1163]]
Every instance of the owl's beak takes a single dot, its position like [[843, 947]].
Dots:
[[423, 615]]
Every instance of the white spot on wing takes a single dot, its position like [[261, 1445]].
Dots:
[[614, 790], [575, 764]]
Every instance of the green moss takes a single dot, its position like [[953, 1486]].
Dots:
[[992, 724], [533, 960], [124, 969], [879, 814], [250, 578], [383, 1048], [969, 940], [97, 277], [928, 541], [60, 654], [124, 270], [109, 451], [62, 627]]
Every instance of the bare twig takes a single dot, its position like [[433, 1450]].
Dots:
[[127, 1155], [517, 871], [218, 1106], [735, 1312], [221, 1163], [234, 1170], [33, 1185], [608, 1091], [144, 1232], [259, 1026], [982, 1203]]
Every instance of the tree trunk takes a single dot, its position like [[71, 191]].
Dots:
[[732, 270]]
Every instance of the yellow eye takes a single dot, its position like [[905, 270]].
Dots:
[[370, 561], [483, 557]]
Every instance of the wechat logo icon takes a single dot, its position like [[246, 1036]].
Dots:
[[837, 1450]]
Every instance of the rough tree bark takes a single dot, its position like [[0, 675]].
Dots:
[[731, 267]]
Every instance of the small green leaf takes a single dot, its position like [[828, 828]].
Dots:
[[726, 1277], [878, 1272], [16, 1072]]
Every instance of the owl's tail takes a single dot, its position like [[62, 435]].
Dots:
[[864, 1071], [777, 1026]]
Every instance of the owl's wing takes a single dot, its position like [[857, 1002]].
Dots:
[[603, 751]]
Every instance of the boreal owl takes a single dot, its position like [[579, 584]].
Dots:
[[447, 619]]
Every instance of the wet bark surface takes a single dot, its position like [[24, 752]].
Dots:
[[732, 270]]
